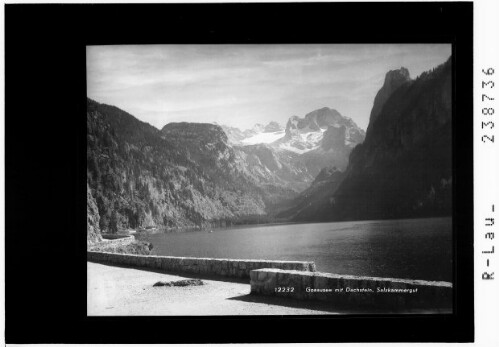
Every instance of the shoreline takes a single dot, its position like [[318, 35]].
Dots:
[[138, 231]]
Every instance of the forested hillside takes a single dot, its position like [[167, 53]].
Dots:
[[181, 177]]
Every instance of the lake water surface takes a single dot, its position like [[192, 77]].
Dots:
[[410, 248]]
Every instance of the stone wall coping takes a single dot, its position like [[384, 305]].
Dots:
[[238, 268], [360, 278], [212, 259]]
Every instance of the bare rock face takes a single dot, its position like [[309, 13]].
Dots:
[[290, 159], [272, 127], [315, 121], [403, 169], [334, 138], [393, 80], [326, 174], [270, 167], [317, 196], [311, 132], [234, 135], [93, 218]]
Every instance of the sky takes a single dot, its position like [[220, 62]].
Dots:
[[241, 85]]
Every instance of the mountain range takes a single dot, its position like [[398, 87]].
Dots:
[[302, 135], [318, 167], [292, 156], [403, 168]]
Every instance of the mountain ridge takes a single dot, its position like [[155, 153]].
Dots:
[[183, 176], [403, 168]]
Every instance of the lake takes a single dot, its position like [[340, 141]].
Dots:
[[409, 248]]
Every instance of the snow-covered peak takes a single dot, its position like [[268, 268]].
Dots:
[[302, 135], [263, 137], [307, 133]]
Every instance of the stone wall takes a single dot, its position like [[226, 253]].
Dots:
[[353, 291], [236, 268]]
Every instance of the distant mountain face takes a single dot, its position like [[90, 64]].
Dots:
[[322, 138], [307, 134], [257, 135], [318, 130], [291, 157], [272, 127], [186, 175], [271, 167], [234, 135], [403, 168]]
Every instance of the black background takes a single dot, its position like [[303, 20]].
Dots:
[[46, 160]]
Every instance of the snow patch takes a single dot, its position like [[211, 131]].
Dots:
[[263, 138], [288, 147], [303, 142]]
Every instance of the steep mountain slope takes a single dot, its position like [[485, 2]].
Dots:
[[93, 218], [393, 80], [257, 135], [273, 127], [313, 198], [234, 135], [333, 149], [290, 158], [183, 176], [306, 134], [257, 168], [404, 166], [322, 138], [270, 167]]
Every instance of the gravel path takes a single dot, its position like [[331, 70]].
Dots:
[[113, 291]]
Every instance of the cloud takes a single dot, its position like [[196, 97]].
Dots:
[[240, 85]]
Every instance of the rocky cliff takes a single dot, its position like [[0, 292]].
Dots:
[[306, 134], [272, 127], [393, 80], [93, 219], [321, 191], [272, 168], [193, 175], [258, 134], [321, 138], [404, 166], [289, 158], [184, 176]]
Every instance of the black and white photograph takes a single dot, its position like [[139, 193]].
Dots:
[[249, 172], [271, 179]]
